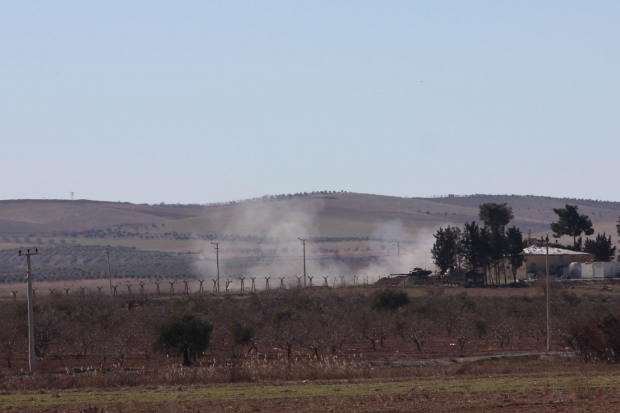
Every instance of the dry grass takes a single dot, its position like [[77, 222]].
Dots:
[[507, 390]]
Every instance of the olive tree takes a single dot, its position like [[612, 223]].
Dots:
[[184, 331]]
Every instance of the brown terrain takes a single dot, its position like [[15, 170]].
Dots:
[[358, 229], [324, 215]]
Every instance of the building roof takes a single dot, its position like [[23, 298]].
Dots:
[[536, 250]]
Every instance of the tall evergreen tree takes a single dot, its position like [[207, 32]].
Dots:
[[601, 248], [495, 216], [445, 248], [474, 247], [514, 249], [571, 223]]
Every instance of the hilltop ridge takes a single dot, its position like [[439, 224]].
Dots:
[[332, 214]]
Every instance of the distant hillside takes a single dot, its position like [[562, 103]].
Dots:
[[347, 234], [175, 228]]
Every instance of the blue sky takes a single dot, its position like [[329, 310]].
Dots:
[[211, 101]]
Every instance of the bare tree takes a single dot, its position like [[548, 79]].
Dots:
[[11, 339], [415, 327], [373, 326]]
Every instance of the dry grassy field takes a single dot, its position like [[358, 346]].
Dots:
[[394, 377], [546, 391]]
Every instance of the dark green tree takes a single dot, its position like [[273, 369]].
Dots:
[[514, 249], [601, 248], [572, 223], [618, 227], [445, 249], [497, 247], [495, 216], [185, 332], [474, 247], [241, 334], [389, 300]]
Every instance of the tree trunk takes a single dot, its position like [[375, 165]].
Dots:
[[186, 359], [374, 347], [418, 344]]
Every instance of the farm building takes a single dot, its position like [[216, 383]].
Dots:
[[559, 259]]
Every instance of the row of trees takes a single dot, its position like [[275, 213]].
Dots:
[[94, 329], [571, 223], [490, 248], [481, 249]]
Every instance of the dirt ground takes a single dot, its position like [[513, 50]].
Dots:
[[538, 401], [540, 394]]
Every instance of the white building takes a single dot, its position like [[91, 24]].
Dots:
[[535, 258], [592, 270]]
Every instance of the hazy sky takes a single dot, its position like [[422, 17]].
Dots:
[[211, 101]]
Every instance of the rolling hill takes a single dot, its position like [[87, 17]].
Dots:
[[342, 214], [349, 234]]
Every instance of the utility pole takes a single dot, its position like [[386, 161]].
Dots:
[[31, 358], [303, 242], [548, 296], [546, 242], [217, 262], [398, 253], [107, 253]]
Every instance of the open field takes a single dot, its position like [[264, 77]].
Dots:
[[540, 391], [482, 349]]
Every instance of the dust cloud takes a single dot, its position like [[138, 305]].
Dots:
[[261, 240]]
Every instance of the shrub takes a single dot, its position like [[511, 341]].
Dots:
[[185, 332], [389, 300]]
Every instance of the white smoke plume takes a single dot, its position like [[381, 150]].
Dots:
[[289, 220]]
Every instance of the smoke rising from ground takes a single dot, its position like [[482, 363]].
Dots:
[[277, 253]]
